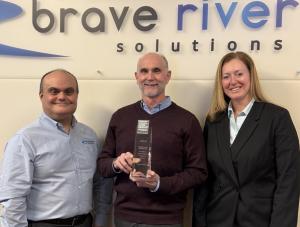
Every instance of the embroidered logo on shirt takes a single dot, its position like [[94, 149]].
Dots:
[[87, 141]]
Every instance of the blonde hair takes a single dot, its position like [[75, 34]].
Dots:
[[220, 100]]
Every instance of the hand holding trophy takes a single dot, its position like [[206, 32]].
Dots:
[[142, 150], [141, 172]]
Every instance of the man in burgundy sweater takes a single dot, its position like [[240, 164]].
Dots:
[[178, 160]]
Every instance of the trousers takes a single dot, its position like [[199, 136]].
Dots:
[[122, 223], [87, 223]]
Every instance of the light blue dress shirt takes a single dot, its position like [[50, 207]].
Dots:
[[236, 123], [158, 107], [48, 174]]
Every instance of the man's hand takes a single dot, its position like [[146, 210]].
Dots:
[[124, 162], [150, 181]]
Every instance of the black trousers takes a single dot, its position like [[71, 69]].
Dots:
[[122, 223], [87, 223]]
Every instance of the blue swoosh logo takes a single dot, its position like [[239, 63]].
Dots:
[[14, 51], [8, 11]]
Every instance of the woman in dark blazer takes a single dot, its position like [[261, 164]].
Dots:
[[253, 154]]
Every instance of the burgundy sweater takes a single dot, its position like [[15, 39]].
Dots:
[[178, 157]]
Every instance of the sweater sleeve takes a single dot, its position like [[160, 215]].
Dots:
[[108, 153], [194, 170], [200, 195]]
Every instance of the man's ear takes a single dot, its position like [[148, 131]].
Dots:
[[169, 74]]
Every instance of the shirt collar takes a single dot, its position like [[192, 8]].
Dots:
[[158, 107], [244, 112], [45, 118]]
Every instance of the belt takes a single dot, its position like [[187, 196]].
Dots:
[[73, 221]]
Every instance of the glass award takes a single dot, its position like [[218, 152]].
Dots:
[[142, 148]]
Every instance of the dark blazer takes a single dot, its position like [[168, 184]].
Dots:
[[255, 181]]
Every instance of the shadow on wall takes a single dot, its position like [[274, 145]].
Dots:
[[193, 96]]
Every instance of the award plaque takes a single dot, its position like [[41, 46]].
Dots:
[[142, 147]]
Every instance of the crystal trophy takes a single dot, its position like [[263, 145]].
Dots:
[[142, 147]]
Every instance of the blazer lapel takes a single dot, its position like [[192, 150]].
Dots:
[[247, 129], [223, 136]]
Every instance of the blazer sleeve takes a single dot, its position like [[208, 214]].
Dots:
[[286, 197]]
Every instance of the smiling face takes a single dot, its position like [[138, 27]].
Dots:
[[152, 76], [236, 81], [59, 95]]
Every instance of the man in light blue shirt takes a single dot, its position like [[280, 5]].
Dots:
[[48, 175]]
